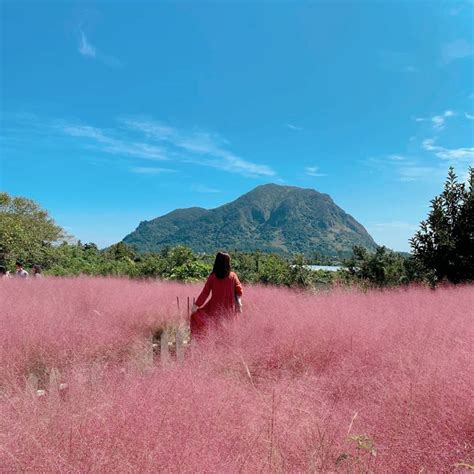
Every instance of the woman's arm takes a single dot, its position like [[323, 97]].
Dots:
[[205, 291], [238, 294], [238, 286]]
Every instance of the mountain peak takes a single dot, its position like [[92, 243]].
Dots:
[[271, 217]]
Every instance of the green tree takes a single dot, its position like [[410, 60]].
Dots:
[[299, 275], [118, 251], [380, 268], [27, 232], [443, 246], [273, 270], [465, 232]]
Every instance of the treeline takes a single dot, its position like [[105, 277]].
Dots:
[[180, 263], [442, 250]]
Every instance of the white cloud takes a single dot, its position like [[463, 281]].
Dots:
[[203, 148], [469, 116], [428, 144], [85, 48], [153, 129], [398, 225], [150, 170], [457, 49], [293, 127], [199, 188], [452, 154], [407, 169], [415, 172], [112, 145], [396, 158], [313, 171], [438, 121]]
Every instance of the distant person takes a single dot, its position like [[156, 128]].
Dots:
[[226, 292], [3, 272], [37, 272], [20, 271]]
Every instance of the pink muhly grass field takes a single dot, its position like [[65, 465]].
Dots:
[[58, 321], [337, 382]]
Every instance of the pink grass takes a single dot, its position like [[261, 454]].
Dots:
[[282, 390]]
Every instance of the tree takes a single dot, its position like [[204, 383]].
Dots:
[[444, 245], [380, 268], [465, 231], [27, 232], [118, 251]]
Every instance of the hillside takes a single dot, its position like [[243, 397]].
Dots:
[[271, 218]]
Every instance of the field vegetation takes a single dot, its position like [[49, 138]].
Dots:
[[333, 381]]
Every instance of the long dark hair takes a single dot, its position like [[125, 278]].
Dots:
[[221, 265]]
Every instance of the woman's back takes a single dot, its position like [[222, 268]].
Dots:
[[225, 289], [223, 292]]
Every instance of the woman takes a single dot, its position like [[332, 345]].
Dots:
[[226, 295], [37, 272], [4, 273]]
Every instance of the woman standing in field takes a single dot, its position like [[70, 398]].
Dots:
[[226, 296]]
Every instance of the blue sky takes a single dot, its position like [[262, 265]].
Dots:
[[116, 112]]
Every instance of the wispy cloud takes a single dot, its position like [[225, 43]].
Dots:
[[455, 8], [203, 148], [150, 170], [115, 146], [313, 171], [457, 49], [199, 188], [452, 154], [397, 158], [407, 169], [85, 48], [414, 172], [398, 225], [469, 116], [162, 142], [293, 127], [437, 121]]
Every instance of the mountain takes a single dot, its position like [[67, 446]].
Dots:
[[271, 218]]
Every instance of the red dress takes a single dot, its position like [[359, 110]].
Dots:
[[221, 303]]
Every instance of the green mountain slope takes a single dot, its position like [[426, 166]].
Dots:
[[271, 218]]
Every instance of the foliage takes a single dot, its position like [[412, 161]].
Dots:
[[380, 268], [444, 245], [180, 263], [27, 232]]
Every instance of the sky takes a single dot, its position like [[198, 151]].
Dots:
[[116, 112]]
